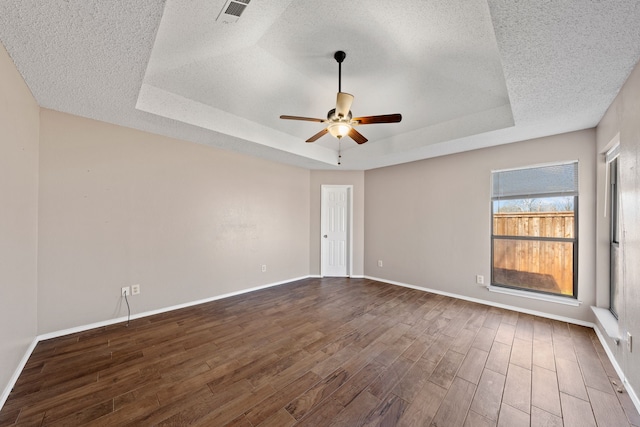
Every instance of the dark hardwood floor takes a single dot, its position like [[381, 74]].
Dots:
[[325, 352]]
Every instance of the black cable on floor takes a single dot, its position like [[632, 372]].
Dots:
[[128, 309]]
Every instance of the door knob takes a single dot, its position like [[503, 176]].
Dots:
[[325, 236]]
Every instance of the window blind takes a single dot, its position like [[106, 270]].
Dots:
[[613, 153], [541, 181]]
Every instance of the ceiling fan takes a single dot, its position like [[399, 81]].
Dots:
[[340, 121]]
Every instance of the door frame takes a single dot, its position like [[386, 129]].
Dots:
[[323, 189]]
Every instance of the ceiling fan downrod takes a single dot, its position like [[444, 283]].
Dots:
[[339, 56]]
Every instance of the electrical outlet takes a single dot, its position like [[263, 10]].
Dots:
[[135, 289], [125, 291], [264, 267], [629, 346], [379, 263], [480, 279]]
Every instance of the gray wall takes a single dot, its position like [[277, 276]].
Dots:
[[623, 117], [19, 116], [318, 179], [430, 221], [185, 221]]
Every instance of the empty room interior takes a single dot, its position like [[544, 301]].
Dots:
[[247, 213]]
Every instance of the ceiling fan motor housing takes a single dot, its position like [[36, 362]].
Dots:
[[333, 117]]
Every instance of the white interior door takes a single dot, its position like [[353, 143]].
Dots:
[[336, 230]]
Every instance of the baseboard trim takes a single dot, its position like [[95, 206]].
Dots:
[[616, 366], [485, 302], [83, 328], [57, 334], [351, 276], [17, 372]]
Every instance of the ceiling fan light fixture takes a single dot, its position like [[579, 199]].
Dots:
[[339, 129]]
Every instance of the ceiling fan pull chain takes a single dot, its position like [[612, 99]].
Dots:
[[339, 154]]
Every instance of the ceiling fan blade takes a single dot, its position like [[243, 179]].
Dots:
[[318, 135], [343, 104], [357, 136], [307, 119], [385, 118]]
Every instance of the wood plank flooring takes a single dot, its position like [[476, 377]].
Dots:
[[324, 352]]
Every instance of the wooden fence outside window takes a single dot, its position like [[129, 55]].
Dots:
[[550, 263]]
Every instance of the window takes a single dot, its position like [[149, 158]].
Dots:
[[534, 230], [614, 230]]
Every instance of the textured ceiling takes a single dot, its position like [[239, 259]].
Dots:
[[465, 74]]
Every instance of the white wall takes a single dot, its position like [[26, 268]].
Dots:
[[185, 221], [19, 117], [623, 118], [430, 221]]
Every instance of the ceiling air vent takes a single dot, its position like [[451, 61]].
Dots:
[[232, 10]]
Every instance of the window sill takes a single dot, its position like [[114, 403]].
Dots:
[[608, 322], [534, 295]]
